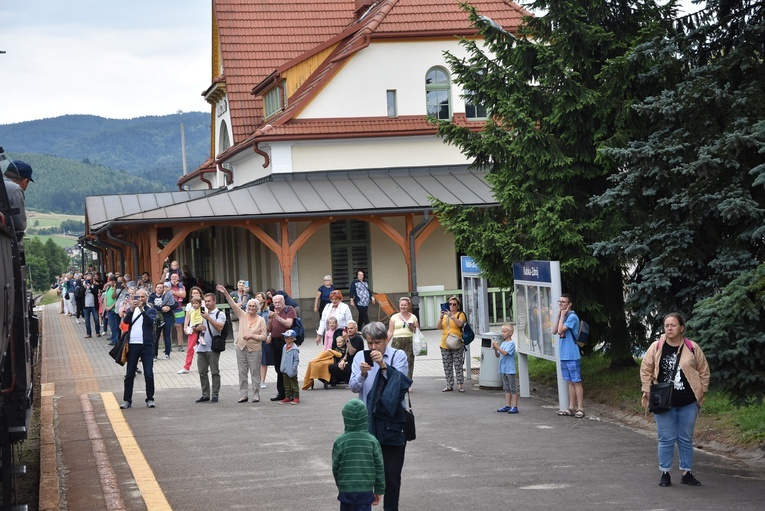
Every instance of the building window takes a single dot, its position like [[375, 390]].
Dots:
[[350, 251], [391, 98], [437, 92], [474, 111], [274, 100], [224, 142]]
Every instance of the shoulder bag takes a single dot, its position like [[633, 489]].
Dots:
[[660, 398], [218, 341], [410, 432], [453, 342]]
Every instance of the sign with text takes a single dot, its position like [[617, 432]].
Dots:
[[534, 306]]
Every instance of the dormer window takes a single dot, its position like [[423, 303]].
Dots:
[[437, 93], [274, 100]]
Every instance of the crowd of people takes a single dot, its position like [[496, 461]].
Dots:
[[265, 336]]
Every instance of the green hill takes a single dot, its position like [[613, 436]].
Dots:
[[79, 155]]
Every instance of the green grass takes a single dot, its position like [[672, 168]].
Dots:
[[741, 426], [61, 241], [50, 296]]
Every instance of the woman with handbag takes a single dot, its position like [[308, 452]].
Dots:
[[452, 348], [679, 361], [401, 329]]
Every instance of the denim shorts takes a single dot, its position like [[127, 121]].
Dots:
[[571, 370], [510, 383]]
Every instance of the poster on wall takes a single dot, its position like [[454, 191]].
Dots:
[[536, 289]]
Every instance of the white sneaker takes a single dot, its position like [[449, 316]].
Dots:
[[78, 321], [183, 371], [263, 386], [167, 357]]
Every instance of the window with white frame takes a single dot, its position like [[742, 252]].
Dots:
[[437, 93], [273, 101], [474, 111]]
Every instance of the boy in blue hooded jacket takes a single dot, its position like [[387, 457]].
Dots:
[[357, 461]]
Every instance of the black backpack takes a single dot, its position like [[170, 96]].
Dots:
[[297, 326], [584, 333]]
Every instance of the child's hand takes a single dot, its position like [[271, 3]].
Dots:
[[377, 500]]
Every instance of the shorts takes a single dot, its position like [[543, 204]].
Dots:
[[510, 383], [180, 317], [571, 370]]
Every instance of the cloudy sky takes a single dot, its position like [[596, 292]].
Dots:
[[113, 58], [116, 59]]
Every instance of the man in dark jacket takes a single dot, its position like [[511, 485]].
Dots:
[[141, 318]]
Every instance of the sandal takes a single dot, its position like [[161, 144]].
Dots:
[[567, 413], [448, 389], [579, 414], [461, 389], [243, 400]]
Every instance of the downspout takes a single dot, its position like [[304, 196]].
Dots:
[[412, 257], [261, 152], [119, 249], [129, 244], [229, 173]]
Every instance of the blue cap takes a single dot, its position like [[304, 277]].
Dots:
[[21, 168], [290, 333]]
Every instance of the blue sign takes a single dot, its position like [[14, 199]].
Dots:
[[532, 271], [469, 267]]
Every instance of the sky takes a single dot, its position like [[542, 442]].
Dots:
[[116, 59], [113, 58]]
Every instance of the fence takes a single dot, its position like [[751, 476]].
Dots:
[[500, 306]]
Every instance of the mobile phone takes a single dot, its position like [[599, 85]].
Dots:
[[445, 307], [202, 309], [368, 357], [345, 330]]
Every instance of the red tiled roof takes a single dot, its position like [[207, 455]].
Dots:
[[257, 36], [415, 17], [277, 43], [354, 127]]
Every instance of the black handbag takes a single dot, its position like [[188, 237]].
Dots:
[[218, 343], [118, 352], [660, 398], [410, 432]]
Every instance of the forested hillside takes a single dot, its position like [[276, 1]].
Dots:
[[144, 147], [61, 185]]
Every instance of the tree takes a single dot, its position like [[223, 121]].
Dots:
[[553, 101], [693, 181], [57, 258], [732, 326]]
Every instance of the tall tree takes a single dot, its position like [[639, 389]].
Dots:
[[693, 183], [553, 102]]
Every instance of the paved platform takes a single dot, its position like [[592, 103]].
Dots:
[[188, 456]]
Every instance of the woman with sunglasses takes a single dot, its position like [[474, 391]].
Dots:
[[401, 329], [452, 353]]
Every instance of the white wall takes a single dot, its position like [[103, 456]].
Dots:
[[359, 88]]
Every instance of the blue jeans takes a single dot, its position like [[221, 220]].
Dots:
[[676, 426], [91, 311], [114, 326]]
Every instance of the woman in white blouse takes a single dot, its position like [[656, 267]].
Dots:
[[336, 309]]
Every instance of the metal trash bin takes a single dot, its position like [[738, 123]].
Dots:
[[490, 378]]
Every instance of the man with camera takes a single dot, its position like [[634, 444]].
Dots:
[[207, 359], [140, 318]]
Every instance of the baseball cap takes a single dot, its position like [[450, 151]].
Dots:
[[290, 333], [21, 168]]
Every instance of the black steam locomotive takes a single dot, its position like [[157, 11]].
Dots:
[[19, 335]]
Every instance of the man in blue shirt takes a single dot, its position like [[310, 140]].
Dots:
[[566, 326], [381, 381]]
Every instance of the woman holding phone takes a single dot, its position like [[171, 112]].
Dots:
[[452, 353], [401, 330]]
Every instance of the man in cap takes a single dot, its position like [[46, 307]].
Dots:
[[17, 178]]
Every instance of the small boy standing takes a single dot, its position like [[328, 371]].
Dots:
[[357, 461], [506, 354], [195, 319], [289, 368]]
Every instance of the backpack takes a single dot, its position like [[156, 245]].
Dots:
[[297, 326], [79, 291], [219, 341], [584, 333]]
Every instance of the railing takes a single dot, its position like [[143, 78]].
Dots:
[[500, 306]]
